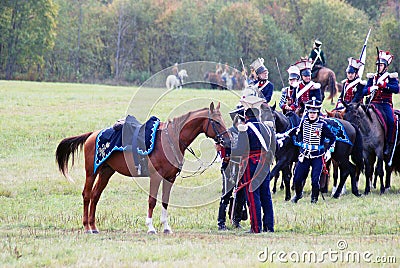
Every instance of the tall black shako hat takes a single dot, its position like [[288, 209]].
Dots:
[[313, 105], [258, 66]]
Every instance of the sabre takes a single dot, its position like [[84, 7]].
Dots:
[[377, 66], [277, 65]]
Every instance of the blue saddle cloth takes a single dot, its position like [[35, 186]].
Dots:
[[126, 135], [338, 130]]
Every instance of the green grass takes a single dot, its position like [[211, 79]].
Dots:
[[40, 215]]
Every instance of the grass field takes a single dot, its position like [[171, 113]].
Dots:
[[40, 215]]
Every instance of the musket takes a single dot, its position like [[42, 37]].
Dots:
[[363, 54], [277, 65]]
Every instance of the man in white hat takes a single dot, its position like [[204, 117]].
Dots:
[[310, 136], [353, 86], [287, 92], [263, 86], [256, 145], [381, 86]]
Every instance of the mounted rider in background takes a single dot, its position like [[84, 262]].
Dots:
[[262, 85], [307, 88], [352, 86], [318, 58], [382, 85], [287, 92]]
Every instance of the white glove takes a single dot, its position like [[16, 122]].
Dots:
[[373, 89], [280, 143], [327, 155]]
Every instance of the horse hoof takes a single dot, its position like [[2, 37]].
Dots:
[[336, 196], [151, 232], [357, 194], [88, 232], [167, 231], [287, 198], [95, 232]]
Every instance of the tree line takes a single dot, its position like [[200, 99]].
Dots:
[[123, 41]]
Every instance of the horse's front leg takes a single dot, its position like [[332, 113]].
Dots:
[[165, 200], [154, 185]]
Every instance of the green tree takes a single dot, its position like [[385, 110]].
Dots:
[[28, 32]]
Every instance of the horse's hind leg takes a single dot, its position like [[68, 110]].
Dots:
[[155, 181], [166, 188], [105, 172], [86, 194]]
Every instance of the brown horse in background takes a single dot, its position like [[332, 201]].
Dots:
[[215, 80], [164, 162], [327, 78]]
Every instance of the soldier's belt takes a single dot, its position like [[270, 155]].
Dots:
[[309, 147]]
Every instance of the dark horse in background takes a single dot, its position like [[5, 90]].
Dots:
[[215, 80], [164, 162], [341, 155], [327, 78], [366, 119], [285, 156]]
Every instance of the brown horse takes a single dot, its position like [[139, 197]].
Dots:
[[165, 161], [327, 78], [215, 80]]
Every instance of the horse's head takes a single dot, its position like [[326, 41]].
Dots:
[[214, 127], [353, 113], [182, 73]]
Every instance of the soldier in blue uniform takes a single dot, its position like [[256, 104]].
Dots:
[[287, 92], [381, 86], [353, 86], [256, 145], [229, 171], [262, 85], [310, 136]]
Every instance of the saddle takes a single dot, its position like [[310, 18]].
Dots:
[[128, 134], [315, 70]]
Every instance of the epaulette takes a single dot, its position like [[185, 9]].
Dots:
[[393, 75], [317, 85], [242, 128], [363, 82], [370, 75], [344, 80]]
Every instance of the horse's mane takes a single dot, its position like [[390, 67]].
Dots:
[[367, 112], [180, 120]]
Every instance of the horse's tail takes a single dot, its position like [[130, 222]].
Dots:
[[332, 86], [357, 151], [396, 160], [67, 148]]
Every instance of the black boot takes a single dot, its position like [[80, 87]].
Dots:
[[222, 215], [314, 195], [388, 151], [299, 192]]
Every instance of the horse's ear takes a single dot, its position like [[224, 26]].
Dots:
[[218, 106], [273, 106], [345, 104], [358, 105], [212, 107]]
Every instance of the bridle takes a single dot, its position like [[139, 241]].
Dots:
[[219, 136]]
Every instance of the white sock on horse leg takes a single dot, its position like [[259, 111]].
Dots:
[[149, 224], [164, 219]]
